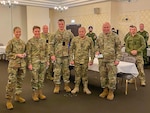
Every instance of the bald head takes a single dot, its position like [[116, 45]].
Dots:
[[106, 27], [45, 29], [82, 32]]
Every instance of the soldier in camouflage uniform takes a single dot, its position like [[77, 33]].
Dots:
[[81, 47], [146, 37], [60, 55], [128, 34], [135, 44], [91, 34], [15, 52], [38, 56], [47, 36], [108, 48]]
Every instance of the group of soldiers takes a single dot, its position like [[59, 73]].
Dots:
[[45, 54]]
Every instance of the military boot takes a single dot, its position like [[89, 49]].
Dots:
[[86, 90], [75, 90], [104, 93], [20, 99], [9, 104], [143, 84], [110, 95], [35, 96], [41, 96], [57, 88], [67, 88]]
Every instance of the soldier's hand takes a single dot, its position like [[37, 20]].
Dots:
[[30, 66], [134, 52], [20, 55], [91, 63], [116, 63], [53, 58], [72, 63], [97, 53]]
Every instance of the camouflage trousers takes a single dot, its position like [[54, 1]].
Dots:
[[61, 68], [15, 80], [145, 58], [49, 71], [108, 73], [38, 75], [140, 67], [81, 73]]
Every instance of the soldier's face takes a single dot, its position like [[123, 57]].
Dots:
[[106, 28], [61, 25], [133, 30], [17, 33], [36, 32], [81, 32], [45, 29], [141, 26]]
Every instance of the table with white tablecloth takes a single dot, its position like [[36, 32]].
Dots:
[[2, 49], [2, 53], [124, 67]]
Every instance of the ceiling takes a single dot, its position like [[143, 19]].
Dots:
[[53, 3]]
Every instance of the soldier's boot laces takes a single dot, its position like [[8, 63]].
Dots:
[[110, 95], [67, 88], [9, 105], [35, 96], [86, 90], [20, 99], [104, 93], [56, 89], [75, 90], [41, 95]]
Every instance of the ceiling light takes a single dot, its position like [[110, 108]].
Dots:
[[60, 8], [8, 2]]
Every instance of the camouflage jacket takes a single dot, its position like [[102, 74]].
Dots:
[[109, 45], [80, 50], [37, 50], [60, 43], [145, 34], [15, 46], [135, 42]]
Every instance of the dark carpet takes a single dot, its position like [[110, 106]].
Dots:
[[135, 102]]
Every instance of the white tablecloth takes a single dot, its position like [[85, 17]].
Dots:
[[148, 52], [2, 49], [124, 67]]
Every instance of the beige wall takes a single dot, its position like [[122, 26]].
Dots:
[[114, 12], [36, 16], [84, 15], [11, 17]]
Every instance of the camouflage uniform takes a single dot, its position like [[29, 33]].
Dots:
[[79, 51], [60, 49], [38, 56], [125, 38], [93, 36], [16, 67], [109, 46], [146, 37], [48, 39], [137, 42]]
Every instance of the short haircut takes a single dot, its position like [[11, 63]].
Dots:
[[35, 27], [16, 28], [61, 20]]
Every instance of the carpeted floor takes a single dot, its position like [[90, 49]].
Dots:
[[135, 102]]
